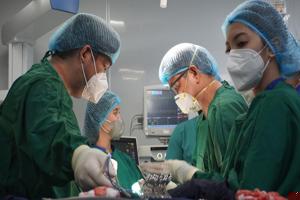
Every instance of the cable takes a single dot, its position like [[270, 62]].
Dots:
[[127, 193]]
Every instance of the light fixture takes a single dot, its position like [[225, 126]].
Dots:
[[163, 3], [130, 78], [131, 74], [117, 23], [131, 71]]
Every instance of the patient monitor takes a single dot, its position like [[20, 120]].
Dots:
[[161, 114]]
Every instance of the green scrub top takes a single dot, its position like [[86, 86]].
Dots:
[[264, 145], [182, 142], [38, 134], [213, 131], [128, 173]]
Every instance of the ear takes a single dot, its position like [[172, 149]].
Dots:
[[85, 53], [194, 70], [270, 53]]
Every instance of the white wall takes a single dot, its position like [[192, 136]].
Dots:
[[7, 9]]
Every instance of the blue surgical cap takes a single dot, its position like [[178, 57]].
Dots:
[[96, 114], [83, 29], [181, 56], [263, 19]]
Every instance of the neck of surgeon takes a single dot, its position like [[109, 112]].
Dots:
[[207, 94], [270, 74]]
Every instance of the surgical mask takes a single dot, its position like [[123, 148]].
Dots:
[[246, 68], [117, 129], [187, 103], [96, 86]]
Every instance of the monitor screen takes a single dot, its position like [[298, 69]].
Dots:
[[161, 111], [127, 145]]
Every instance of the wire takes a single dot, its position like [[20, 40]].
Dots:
[[127, 193]]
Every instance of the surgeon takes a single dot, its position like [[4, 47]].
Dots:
[[41, 144], [264, 146], [103, 124], [182, 142], [191, 72]]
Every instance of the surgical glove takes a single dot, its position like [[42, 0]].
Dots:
[[88, 164], [180, 170], [171, 185]]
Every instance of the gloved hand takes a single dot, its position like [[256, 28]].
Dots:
[[180, 170], [88, 164], [171, 185]]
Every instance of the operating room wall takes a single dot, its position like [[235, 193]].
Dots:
[[147, 33], [7, 9]]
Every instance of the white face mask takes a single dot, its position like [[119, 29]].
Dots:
[[116, 128], [96, 86], [246, 68], [187, 103]]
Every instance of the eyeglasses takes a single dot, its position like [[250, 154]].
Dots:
[[174, 86]]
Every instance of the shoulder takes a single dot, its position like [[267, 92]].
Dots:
[[282, 98], [227, 96], [40, 76], [179, 128]]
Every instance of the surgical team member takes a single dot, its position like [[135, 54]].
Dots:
[[41, 144], [264, 147], [191, 72], [103, 124], [182, 142]]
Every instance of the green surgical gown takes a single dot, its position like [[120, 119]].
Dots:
[[213, 131], [38, 134], [182, 142], [264, 145], [128, 173]]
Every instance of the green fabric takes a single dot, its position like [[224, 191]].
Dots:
[[264, 145], [128, 173], [182, 142], [201, 143], [38, 134], [213, 131]]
